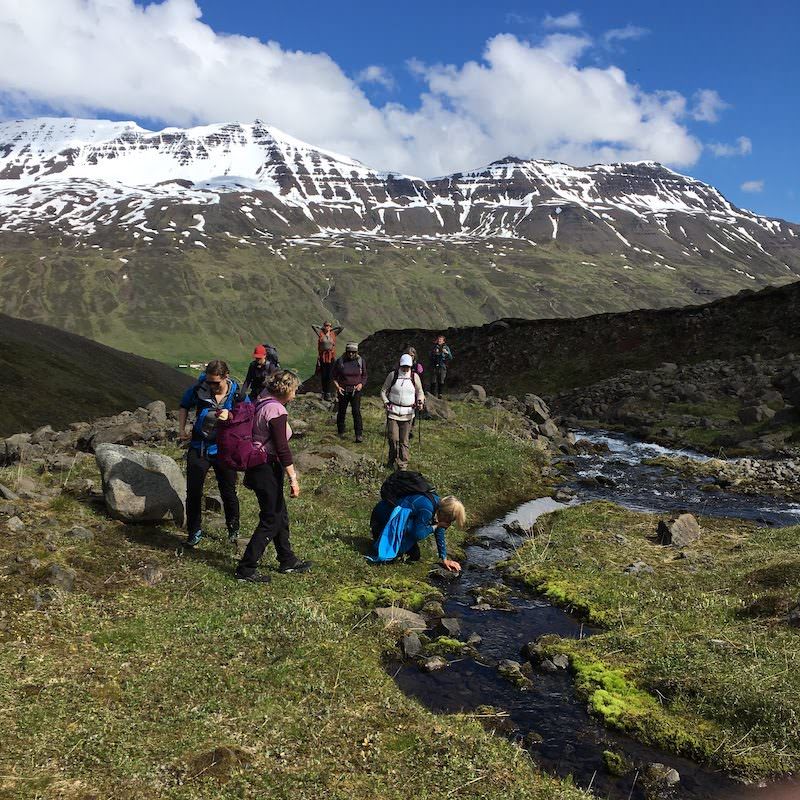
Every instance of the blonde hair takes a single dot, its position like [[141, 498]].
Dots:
[[283, 383], [451, 509]]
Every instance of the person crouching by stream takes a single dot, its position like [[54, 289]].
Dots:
[[398, 530], [402, 395], [271, 428], [349, 377]]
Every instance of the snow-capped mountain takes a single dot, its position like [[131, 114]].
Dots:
[[91, 178]]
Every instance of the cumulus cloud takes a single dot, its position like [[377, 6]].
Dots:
[[161, 62], [569, 21], [742, 147], [628, 33], [708, 105], [376, 74], [752, 186]]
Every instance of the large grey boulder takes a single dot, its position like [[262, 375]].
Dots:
[[140, 486], [680, 531], [439, 409]]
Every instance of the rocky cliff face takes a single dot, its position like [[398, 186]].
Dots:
[[515, 356]]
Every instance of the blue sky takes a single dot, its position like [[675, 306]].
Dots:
[[749, 56], [432, 87]]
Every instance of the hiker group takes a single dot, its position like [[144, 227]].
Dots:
[[245, 428]]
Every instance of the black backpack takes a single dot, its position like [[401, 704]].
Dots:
[[272, 355], [402, 483]]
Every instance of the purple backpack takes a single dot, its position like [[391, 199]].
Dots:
[[235, 446]]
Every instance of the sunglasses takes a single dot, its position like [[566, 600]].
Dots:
[[214, 383]]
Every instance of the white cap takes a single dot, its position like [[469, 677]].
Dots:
[[406, 360]]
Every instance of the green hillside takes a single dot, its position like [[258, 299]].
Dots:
[[56, 378], [183, 304]]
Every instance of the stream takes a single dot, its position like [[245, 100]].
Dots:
[[549, 719]]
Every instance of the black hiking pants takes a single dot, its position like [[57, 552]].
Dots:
[[438, 380], [197, 466], [353, 399], [326, 376], [266, 481]]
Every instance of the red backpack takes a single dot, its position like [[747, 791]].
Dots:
[[235, 446]]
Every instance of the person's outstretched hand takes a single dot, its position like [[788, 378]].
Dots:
[[452, 566]]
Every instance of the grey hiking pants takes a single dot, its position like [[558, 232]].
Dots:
[[399, 436], [438, 380]]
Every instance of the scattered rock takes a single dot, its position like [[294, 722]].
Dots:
[[42, 597], [410, 645], [563, 495], [477, 394], [561, 660], [664, 775], [448, 626], [753, 414], [80, 534], [62, 578], [158, 412], [15, 525], [433, 664], [141, 486], [439, 409], [680, 531], [474, 640], [433, 608], [638, 568], [512, 671], [150, 574], [548, 666], [794, 617], [401, 618], [7, 494], [212, 503], [443, 575]]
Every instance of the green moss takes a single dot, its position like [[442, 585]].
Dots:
[[616, 763], [401, 592], [683, 654], [444, 646]]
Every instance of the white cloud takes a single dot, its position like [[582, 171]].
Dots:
[[376, 74], [569, 21], [742, 147], [708, 105], [161, 62], [752, 186], [628, 33]]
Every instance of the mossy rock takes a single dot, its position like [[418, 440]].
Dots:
[[403, 592], [616, 763], [444, 646]]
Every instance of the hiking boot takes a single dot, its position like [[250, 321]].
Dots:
[[194, 538], [359, 439], [256, 577], [233, 536], [295, 567], [341, 434]]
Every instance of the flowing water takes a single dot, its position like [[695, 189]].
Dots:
[[568, 741]]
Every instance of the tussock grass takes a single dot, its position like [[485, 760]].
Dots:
[[697, 656], [199, 687]]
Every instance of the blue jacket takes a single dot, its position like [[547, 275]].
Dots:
[[201, 397], [410, 522]]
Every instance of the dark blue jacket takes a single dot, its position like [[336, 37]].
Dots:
[[201, 397]]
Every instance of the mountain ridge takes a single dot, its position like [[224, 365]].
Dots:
[[243, 233]]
